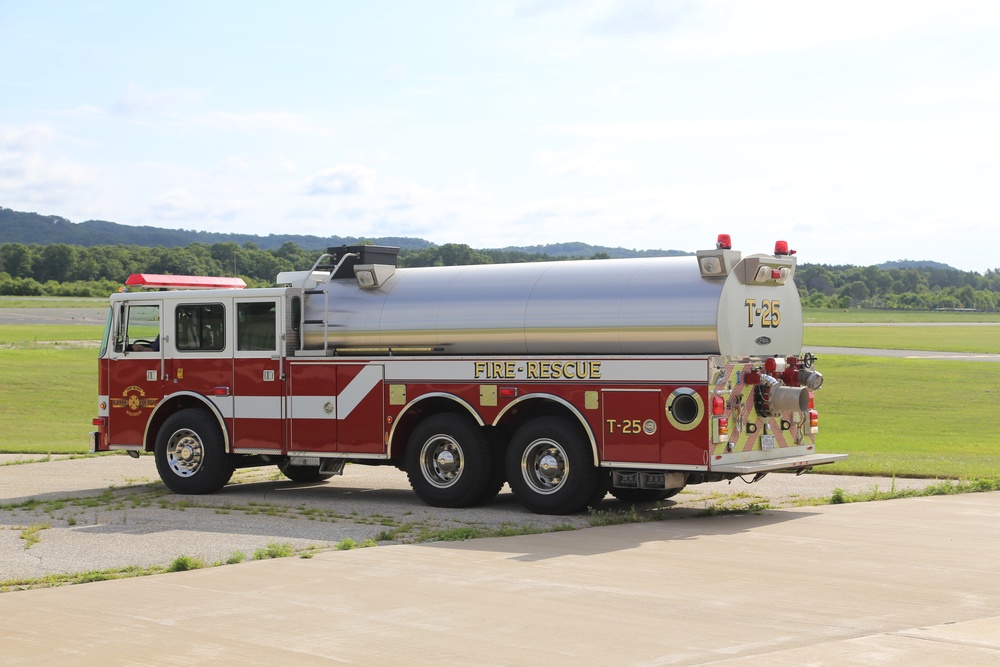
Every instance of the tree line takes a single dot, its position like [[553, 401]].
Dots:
[[61, 269], [918, 288]]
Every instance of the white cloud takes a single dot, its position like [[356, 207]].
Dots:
[[258, 121], [582, 163], [28, 174], [139, 100], [26, 137], [646, 16], [345, 179]]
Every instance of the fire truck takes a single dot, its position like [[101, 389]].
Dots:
[[566, 380]]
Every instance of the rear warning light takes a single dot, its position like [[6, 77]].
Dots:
[[781, 248], [100, 421], [718, 405], [813, 422], [724, 242]]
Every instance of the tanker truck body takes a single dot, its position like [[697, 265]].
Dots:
[[565, 380]]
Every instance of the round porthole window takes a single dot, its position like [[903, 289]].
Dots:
[[685, 409]]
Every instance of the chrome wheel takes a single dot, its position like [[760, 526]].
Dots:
[[441, 461], [544, 466], [551, 466], [185, 452]]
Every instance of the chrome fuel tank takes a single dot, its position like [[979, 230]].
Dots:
[[659, 305]]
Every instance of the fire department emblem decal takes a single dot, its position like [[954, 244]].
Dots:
[[134, 401]]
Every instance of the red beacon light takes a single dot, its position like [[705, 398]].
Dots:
[[781, 248], [724, 242]]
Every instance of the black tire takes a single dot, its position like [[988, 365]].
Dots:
[[449, 461], [550, 467], [191, 455], [643, 495], [303, 474], [498, 451]]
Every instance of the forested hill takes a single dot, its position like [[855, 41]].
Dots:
[[36, 229], [29, 228], [64, 263]]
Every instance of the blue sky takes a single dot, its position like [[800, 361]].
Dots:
[[860, 132]]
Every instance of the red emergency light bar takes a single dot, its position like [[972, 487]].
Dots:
[[160, 281]]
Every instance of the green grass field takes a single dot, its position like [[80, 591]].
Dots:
[[811, 315], [48, 398], [52, 302], [910, 417], [975, 339], [22, 336], [903, 417]]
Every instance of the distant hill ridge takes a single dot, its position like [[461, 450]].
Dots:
[[34, 228]]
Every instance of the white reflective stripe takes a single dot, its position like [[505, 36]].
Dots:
[[355, 392], [312, 407], [224, 404], [257, 407]]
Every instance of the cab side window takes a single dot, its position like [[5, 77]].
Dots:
[[142, 333], [200, 327], [256, 326]]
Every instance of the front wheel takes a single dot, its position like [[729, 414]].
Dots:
[[191, 454], [550, 467]]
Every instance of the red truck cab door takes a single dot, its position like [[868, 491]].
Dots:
[[258, 376], [135, 371]]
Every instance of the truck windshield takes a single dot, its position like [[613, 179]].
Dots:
[[107, 334]]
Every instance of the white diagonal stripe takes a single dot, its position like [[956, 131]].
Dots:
[[356, 390]]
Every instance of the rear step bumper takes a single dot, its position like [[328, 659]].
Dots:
[[767, 465]]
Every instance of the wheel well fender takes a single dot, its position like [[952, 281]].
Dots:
[[418, 409], [173, 403], [531, 406]]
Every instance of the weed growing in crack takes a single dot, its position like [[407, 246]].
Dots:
[[183, 563], [31, 535]]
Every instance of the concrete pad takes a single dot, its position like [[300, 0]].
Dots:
[[112, 512], [898, 582]]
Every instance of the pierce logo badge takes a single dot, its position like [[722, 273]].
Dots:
[[134, 401]]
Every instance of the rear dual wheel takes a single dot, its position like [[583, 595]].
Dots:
[[450, 462], [550, 467]]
